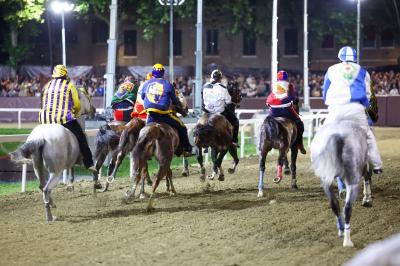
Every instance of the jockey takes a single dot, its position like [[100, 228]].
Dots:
[[216, 99], [138, 109], [281, 103], [347, 92], [60, 105], [124, 100], [157, 94]]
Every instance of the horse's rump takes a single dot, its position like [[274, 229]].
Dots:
[[339, 149], [105, 136], [212, 126], [277, 129], [133, 127]]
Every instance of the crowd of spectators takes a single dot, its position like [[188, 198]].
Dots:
[[385, 83]]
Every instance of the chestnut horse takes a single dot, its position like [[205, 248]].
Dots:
[[159, 140], [277, 133]]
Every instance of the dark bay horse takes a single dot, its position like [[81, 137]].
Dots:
[[340, 149], [277, 133], [159, 140], [215, 131]]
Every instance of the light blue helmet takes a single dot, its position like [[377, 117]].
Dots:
[[347, 54]]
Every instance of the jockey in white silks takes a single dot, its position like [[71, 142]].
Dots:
[[346, 92]]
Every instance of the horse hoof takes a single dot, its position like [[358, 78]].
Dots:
[[260, 194], [105, 187], [366, 203], [221, 178], [294, 186], [231, 170], [142, 196], [150, 209], [172, 193], [287, 172], [277, 179], [70, 188], [211, 177], [348, 243], [185, 173], [340, 233]]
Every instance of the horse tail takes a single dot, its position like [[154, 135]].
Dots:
[[271, 127], [326, 159], [103, 138], [24, 152], [146, 141]]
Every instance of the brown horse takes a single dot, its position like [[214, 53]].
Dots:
[[277, 133], [159, 140], [215, 131]]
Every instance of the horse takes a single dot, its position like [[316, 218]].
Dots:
[[340, 149], [215, 131], [159, 140], [54, 148], [277, 133]]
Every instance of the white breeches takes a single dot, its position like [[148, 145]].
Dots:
[[355, 112]]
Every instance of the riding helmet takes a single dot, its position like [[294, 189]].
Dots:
[[347, 54], [158, 70], [59, 71], [216, 75], [282, 75]]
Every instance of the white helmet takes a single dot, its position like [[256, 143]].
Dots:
[[347, 54], [216, 75]]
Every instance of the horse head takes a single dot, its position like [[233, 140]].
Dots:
[[234, 92], [183, 109], [87, 107]]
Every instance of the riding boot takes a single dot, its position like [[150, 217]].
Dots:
[[231, 117], [184, 143]]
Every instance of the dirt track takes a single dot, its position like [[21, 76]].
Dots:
[[227, 226]]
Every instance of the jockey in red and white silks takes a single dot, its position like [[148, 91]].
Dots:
[[346, 91]]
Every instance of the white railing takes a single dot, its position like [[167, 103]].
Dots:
[[255, 123]]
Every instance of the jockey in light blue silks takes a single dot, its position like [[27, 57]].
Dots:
[[346, 91], [158, 94]]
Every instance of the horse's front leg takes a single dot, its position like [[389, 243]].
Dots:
[[71, 178], [351, 195], [293, 168], [233, 153], [367, 199], [185, 163], [281, 160], [200, 161]]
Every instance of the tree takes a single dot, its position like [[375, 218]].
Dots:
[[17, 13]]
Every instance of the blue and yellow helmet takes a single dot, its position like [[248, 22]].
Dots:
[[59, 71], [158, 71]]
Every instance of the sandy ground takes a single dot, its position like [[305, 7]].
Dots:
[[227, 226]]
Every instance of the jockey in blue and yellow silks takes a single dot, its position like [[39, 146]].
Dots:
[[158, 94], [60, 105]]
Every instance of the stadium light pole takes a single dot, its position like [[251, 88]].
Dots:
[[274, 46], [358, 28], [62, 7], [171, 4], [306, 89]]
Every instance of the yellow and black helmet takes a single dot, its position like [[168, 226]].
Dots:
[[158, 71], [59, 71]]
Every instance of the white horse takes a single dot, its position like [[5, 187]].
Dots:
[[340, 149], [52, 148]]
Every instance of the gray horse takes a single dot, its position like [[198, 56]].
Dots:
[[340, 149], [52, 148]]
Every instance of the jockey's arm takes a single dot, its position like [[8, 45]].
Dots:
[[76, 103], [367, 81]]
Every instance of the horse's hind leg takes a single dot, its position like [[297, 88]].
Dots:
[[160, 174], [341, 188], [200, 161], [351, 195], [214, 155], [367, 199], [71, 178], [293, 167], [172, 191], [221, 155], [263, 156], [281, 160], [286, 169], [334, 204], [233, 153], [48, 202]]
